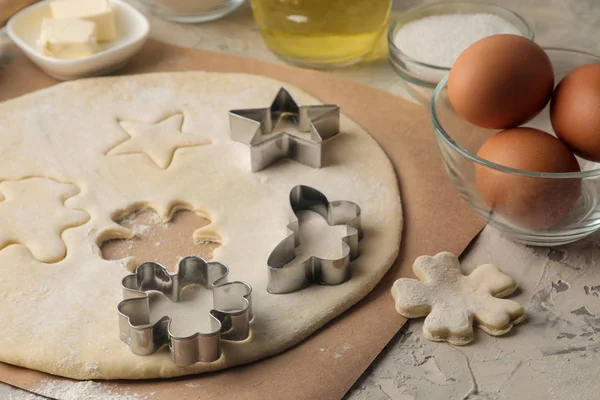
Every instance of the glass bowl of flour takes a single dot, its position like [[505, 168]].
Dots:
[[192, 11], [425, 41]]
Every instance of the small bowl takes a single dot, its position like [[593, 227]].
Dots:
[[458, 142], [132, 32], [421, 78], [191, 12]]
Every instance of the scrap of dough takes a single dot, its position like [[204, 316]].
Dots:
[[452, 302], [158, 141], [62, 319], [33, 214]]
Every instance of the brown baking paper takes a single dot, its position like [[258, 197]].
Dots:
[[435, 219], [10, 7]]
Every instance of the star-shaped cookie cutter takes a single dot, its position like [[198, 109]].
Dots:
[[259, 128], [287, 276], [230, 316]]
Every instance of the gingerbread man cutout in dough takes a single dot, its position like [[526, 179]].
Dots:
[[452, 302]]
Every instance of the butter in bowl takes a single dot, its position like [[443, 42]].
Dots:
[[76, 27], [71, 39]]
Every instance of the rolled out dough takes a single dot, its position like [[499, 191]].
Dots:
[[61, 317]]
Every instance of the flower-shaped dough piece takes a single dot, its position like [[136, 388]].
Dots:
[[452, 302], [33, 214]]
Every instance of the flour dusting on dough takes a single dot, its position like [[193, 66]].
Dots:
[[68, 309]]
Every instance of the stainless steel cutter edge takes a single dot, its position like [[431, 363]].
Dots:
[[230, 317], [249, 126], [285, 276]]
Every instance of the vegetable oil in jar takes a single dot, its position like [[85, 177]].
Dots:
[[321, 33]]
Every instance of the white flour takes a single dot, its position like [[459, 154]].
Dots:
[[439, 39], [69, 390]]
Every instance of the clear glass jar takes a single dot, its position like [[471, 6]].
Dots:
[[321, 33], [192, 11]]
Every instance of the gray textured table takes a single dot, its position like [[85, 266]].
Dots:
[[554, 354]]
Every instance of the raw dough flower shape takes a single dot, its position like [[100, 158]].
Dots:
[[229, 318], [43, 217], [158, 141], [452, 301]]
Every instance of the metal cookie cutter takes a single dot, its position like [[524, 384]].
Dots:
[[229, 318], [285, 130], [286, 275]]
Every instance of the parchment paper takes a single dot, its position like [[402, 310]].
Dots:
[[10, 7], [435, 219]]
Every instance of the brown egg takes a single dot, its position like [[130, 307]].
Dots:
[[535, 203], [575, 111], [501, 82]]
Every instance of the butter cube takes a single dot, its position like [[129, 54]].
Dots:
[[68, 38], [97, 11]]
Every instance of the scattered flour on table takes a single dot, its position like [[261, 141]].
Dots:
[[69, 390], [139, 229], [19, 395], [346, 347], [439, 39]]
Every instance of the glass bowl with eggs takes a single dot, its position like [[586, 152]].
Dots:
[[425, 41], [520, 137]]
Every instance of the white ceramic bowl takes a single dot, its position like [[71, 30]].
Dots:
[[132, 31]]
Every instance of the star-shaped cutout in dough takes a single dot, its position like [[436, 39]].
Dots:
[[285, 130], [158, 141], [452, 301], [33, 214]]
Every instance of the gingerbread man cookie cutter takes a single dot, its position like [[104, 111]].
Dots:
[[302, 142], [229, 318], [453, 302], [285, 274]]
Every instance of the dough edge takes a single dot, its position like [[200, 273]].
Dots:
[[167, 371]]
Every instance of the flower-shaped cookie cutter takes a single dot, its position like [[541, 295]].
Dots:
[[229, 318], [286, 275]]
